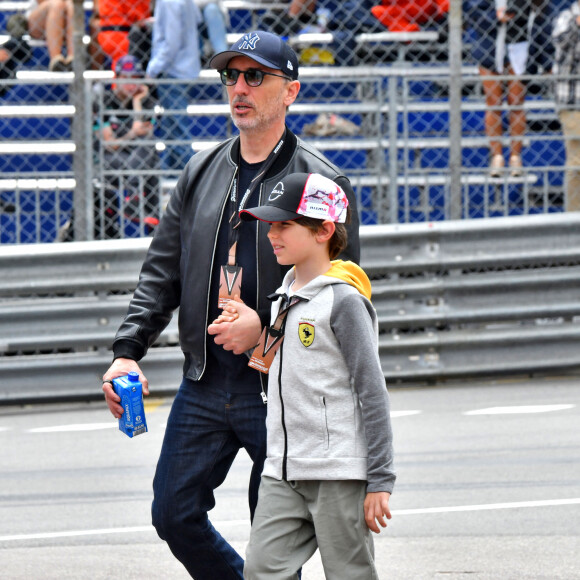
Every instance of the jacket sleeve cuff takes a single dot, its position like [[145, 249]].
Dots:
[[127, 349]]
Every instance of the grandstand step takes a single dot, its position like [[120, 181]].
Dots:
[[34, 128]]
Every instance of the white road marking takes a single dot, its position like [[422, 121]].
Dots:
[[489, 506], [5, 428], [75, 427], [102, 531], [72, 534], [407, 512], [114, 424], [520, 409]]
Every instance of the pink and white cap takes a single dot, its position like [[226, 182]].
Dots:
[[302, 194]]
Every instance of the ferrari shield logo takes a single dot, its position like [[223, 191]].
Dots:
[[306, 333]]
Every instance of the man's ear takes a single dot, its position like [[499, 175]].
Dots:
[[292, 91], [325, 231]]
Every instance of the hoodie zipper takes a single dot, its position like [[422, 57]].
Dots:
[[282, 418]]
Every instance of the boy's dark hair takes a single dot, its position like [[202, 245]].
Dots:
[[339, 239]]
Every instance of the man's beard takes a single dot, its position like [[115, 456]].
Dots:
[[262, 120]]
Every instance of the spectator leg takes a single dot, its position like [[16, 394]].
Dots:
[[69, 17], [493, 97], [48, 21], [515, 98], [175, 127], [216, 27]]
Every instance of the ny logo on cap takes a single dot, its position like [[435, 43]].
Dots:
[[249, 41]]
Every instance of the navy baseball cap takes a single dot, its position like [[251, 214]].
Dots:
[[263, 47], [301, 195]]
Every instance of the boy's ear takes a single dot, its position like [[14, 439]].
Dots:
[[325, 231]]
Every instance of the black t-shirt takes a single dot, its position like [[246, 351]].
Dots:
[[224, 369]]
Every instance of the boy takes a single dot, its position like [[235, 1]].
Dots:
[[329, 458]]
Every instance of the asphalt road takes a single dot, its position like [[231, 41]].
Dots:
[[488, 488]]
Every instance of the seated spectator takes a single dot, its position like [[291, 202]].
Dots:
[[566, 39], [112, 21], [52, 20], [119, 132], [409, 15]]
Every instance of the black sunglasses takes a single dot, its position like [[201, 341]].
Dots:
[[252, 76]]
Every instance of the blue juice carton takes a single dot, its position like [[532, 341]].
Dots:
[[129, 388]]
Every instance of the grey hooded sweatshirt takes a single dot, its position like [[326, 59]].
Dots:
[[328, 406]]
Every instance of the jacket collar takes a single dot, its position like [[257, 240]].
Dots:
[[288, 149]]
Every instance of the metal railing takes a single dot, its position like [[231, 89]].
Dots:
[[398, 162], [485, 298]]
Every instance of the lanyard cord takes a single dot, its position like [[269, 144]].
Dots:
[[280, 322], [235, 221]]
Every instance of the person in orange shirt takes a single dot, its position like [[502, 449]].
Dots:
[[407, 16], [114, 19]]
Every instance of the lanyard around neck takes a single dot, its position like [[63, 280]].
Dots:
[[235, 222]]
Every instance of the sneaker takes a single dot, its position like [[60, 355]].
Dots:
[[58, 64], [496, 166], [64, 233], [331, 125], [516, 166]]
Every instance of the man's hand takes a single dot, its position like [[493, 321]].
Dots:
[[376, 508], [238, 328], [119, 368]]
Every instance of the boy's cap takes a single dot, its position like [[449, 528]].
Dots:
[[128, 66], [301, 195], [265, 48]]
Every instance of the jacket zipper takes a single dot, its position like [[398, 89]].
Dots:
[[263, 378], [211, 270]]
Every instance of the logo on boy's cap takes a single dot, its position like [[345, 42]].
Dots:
[[301, 195], [276, 192], [265, 48], [128, 66]]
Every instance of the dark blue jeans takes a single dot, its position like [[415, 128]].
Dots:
[[176, 126], [205, 430]]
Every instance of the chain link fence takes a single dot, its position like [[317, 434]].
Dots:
[[413, 100]]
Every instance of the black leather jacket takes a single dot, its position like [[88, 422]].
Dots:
[[177, 269]]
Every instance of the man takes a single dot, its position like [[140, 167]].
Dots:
[[219, 407]]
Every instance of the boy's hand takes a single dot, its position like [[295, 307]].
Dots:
[[230, 311], [376, 508], [240, 333]]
